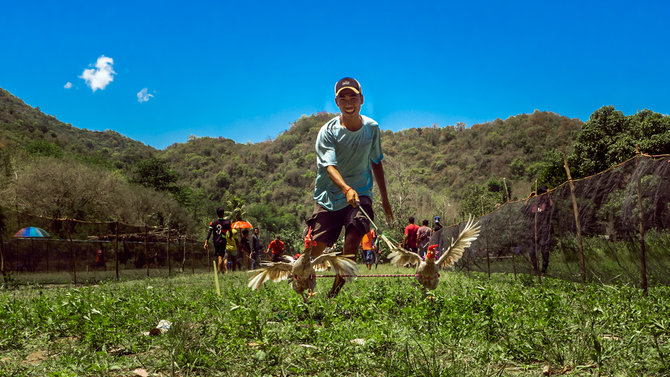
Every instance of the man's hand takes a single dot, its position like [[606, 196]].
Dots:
[[205, 245], [352, 197]]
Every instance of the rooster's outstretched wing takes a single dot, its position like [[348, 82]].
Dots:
[[341, 265], [274, 271], [399, 256], [455, 251]]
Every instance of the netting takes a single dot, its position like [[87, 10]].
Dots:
[[79, 251], [539, 234]]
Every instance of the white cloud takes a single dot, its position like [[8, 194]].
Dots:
[[100, 76], [68, 85], [143, 95]]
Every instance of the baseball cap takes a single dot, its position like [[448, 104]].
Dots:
[[437, 219], [348, 83]]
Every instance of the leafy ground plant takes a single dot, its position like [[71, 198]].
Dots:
[[472, 326]]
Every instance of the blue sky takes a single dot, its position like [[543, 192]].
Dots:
[[246, 70]]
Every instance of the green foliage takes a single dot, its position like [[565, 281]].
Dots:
[[44, 148], [609, 138], [154, 173]]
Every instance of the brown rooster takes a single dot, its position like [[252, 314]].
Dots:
[[302, 272], [427, 270]]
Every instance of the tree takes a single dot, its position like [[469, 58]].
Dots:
[[154, 173], [608, 138]]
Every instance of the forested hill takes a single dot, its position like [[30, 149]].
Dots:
[[27, 129], [424, 166]]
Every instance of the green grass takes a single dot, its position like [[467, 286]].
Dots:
[[375, 327]]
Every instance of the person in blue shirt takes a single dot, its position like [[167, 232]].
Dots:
[[349, 155]]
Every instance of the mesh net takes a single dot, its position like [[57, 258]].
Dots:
[[79, 251], [540, 233]]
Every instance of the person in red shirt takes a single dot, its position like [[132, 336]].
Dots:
[[410, 235], [277, 247]]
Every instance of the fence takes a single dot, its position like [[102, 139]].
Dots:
[[622, 236], [81, 251]]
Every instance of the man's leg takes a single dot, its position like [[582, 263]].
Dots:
[[351, 242]]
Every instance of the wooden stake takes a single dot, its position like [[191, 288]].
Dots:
[[643, 248], [146, 248], [575, 210], [167, 252], [116, 249], [536, 266], [216, 279], [68, 224]]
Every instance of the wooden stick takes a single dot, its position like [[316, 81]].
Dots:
[[216, 279], [576, 212]]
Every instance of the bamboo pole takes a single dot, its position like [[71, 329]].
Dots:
[[575, 209], [643, 247]]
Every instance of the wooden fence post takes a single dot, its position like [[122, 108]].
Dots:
[[2, 254], [643, 248], [486, 250], [167, 251], [69, 225], [116, 248], [536, 266], [576, 212], [146, 248]]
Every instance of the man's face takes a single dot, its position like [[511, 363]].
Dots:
[[349, 102]]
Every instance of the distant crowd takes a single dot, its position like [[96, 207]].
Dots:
[[234, 249]]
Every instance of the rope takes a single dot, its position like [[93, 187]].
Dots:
[[371, 276]]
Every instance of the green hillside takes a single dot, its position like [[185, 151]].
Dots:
[[27, 130]]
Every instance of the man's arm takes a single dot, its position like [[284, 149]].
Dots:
[[378, 172]]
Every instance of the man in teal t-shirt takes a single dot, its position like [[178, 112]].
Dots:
[[349, 154]]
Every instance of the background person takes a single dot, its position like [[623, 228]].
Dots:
[[255, 249], [244, 250], [218, 228], [410, 235], [423, 235], [276, 249], [368, 246]]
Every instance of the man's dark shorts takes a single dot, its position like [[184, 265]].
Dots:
[[220, 250], [327, 225]]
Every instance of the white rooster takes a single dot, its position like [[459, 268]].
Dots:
[[427, 270], [302, 271]]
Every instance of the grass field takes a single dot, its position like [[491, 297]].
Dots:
[[375, 327]]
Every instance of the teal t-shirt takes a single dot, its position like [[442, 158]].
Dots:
[[351, 152]]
